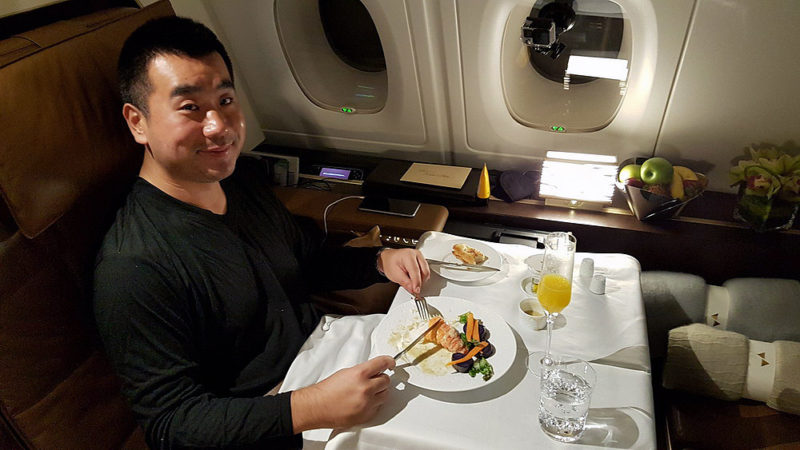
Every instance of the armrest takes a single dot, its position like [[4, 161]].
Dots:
[[345, 216]]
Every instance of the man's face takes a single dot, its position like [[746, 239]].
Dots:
[[195, 127]]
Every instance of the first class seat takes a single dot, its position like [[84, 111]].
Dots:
[[66, 160], [726, 360]]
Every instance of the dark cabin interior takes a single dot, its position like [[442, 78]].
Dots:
[[66, 161]]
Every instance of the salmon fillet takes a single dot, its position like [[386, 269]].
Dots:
[[446, 336]]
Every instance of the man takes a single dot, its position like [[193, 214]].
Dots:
[[201, 286]]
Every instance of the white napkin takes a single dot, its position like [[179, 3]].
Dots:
[[346, 343]]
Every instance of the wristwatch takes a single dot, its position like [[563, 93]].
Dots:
[[378, 258]]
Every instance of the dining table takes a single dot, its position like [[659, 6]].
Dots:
[[605, 328]]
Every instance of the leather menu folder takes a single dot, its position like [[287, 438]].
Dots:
[[384, 181]]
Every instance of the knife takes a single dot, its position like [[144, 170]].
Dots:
[[458, 266], [415, 341]]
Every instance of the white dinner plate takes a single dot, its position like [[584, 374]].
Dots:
[[444, 252], [403, 324]]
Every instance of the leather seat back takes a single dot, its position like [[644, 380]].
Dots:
[[65, 163]]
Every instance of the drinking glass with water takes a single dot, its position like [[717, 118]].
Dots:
[[566, 392]]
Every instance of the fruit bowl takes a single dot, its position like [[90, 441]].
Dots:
[[655, 202]]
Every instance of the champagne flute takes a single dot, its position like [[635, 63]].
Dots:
[[555, 290]]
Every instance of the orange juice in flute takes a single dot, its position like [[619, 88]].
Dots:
[[554, 292], [555, 289]]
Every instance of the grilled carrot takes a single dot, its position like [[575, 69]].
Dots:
[[470, 325], [475, 350]]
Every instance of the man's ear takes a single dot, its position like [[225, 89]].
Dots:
[[137, 122]]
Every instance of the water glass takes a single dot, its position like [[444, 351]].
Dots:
[[566, 392]]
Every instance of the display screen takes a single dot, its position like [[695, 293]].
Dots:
[[330, 172]]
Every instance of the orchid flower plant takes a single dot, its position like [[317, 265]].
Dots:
[[767, 173]]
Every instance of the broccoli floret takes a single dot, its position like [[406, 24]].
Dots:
[[483, 367]]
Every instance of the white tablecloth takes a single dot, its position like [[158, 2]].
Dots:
[[504, 413], [596, 326]]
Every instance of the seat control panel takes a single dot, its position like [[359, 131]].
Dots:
[[397, 241]]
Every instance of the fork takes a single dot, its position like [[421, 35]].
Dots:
[[422, 308]]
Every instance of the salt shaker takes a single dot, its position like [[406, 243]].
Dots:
[[587, 270], [598, 284]]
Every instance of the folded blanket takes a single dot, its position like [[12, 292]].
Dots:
[[706, 361], [785, 394], [727, 365]]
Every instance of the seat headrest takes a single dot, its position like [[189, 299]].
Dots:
[[61, 129]]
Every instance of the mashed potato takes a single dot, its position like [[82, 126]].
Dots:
[[430, 358]]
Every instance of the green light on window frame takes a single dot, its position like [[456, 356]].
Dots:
[[347, 109], [558, 128]]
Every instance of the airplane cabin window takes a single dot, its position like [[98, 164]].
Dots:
[[335, 53], [352, 34], [565, 64]]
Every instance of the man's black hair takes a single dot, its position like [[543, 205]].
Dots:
[[163, 36]]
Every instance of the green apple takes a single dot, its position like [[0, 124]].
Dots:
[[656, 170], [630, 171]]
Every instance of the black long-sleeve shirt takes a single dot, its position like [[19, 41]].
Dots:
[[201, 314]]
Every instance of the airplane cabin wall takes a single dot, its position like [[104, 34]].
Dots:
[[707, 78], [9, 8], [738, 84]]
